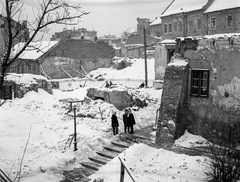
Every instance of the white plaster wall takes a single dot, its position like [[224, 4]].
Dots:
[[160, 61]]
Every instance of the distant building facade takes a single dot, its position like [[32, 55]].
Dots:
[[80, 33], [20, 27], [155, 27], [223, 19], [205, 17], [143, 22], [194, 18]]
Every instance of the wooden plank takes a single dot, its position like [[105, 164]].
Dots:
[[99, 160], [121, 144], [114, 149], [91, 165], [107, 154]]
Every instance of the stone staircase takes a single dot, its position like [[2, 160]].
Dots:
[[95, 163]]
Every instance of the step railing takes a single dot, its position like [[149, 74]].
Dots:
[[4, 177], [122, 172]]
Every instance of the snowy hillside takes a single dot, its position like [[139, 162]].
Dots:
[[46, 120]]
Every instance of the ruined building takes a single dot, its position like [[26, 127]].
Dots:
[[201, 89]]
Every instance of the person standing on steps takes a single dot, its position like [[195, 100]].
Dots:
[[131, 120], [125, 121], [114, 123]]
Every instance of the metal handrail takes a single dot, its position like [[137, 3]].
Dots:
[[123, 167], [4, 177]]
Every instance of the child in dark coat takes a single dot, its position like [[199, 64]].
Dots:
[[114, 123]]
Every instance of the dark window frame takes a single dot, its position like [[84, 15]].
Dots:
[[170, 28], [213, 23], [165, 28], [200, 82], [180, 25], [199, 23], [229, 22]]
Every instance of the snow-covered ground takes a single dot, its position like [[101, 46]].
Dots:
[[44, 118]]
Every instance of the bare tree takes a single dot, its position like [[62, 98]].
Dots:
[[47, 13]]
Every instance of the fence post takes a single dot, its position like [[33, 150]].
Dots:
[[122, 173]]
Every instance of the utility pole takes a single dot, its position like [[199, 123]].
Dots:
[[145, 56], [75, 129]]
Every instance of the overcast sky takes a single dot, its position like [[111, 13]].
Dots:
[[116, 16], [110, 16]]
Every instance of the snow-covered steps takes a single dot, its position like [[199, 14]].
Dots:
[[77, 175], [107, 154], [91, 165], [121, 144], [114, 149], [99, 160]]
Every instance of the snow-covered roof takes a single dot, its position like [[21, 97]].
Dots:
[[218, 5], [181, 6], [168, 41], [157, 21], [34, 50]]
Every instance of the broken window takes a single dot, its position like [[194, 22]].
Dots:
[[200, 83]]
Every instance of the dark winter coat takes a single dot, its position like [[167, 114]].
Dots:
[[114, 120], [125, 119], [131, 120]]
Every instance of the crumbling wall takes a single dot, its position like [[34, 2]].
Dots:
[[209, 116], [171, 122], [212, 116], [121, 99]]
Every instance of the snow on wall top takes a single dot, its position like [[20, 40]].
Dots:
[[181, 6], [157, 21], [24, 78], [218, 5], [34, 50]]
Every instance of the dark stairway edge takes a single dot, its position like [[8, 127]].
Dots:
[[114, 149], [99, 160], [121, 144], [91, 165], [141, 137], [85, 179], [107, 154]]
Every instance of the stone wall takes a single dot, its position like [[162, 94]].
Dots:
[[172, 121]]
